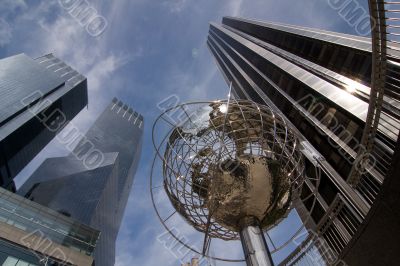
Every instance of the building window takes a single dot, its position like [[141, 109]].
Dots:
[[327, 55], [11, 261], [316, 51], [340, 60]]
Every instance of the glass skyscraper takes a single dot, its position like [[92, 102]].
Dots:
[[320, 81], [93, 183], [37, 98]]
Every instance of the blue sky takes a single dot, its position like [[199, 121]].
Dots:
[[150, 50]]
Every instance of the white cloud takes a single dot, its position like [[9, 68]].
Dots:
[[175, 6], [68, 40], [201, 90], [39, 12], [5, 32], [235, 7], [11, 6], [102, 70]]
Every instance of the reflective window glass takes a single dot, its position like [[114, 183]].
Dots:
[[22, 263], [10, 261]]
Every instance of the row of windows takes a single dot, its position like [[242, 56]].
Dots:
[[57, 237], [11, 261], [16, 213], [346, 61]]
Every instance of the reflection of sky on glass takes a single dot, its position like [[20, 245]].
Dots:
[[152, 49]]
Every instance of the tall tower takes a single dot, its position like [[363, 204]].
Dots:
[[320, 81], [92, 184], [37, 99]]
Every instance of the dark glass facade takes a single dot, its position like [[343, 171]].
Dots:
[[94, 190], [320, 81], [345, 54], [37, 98]]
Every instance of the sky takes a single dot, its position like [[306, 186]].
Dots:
[[148, 51]]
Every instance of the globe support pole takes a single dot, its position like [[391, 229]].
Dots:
[[255, 246]]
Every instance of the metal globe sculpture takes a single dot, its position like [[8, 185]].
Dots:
[[230, 164]]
